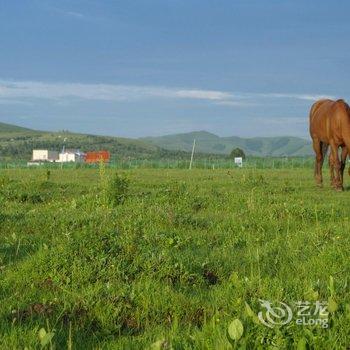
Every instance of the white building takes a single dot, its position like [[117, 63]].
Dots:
[[71, 155], [44, 155], [239, 161]]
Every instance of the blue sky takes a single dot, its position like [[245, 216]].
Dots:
[[152, 67]]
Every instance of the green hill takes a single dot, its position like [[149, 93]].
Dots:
[[9, 128], [17, 143], [210, 143]]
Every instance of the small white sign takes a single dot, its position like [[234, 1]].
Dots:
[[239, 161]]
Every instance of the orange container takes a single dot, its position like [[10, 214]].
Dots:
[[98, 156]]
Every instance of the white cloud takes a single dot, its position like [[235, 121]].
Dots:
[[237, 103], [25, 90], [282, 121], [204, 94], [74, 14], [4, 101], [108, 92], [306, 97]]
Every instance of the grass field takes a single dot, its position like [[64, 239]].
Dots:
[[204, 163], [165, 259]]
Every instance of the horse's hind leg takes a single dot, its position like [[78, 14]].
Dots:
[[317, 145], [331, 169], [344, 154], [337, 166]]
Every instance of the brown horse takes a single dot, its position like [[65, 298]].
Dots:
[[330, 126]]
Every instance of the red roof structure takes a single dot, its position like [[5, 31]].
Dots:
[[98, 156]]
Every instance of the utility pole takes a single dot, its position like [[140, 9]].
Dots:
[[193, 148], [63, 150]]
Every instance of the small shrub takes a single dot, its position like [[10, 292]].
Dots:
[[4, 181], [199, 203], [117, 189], [33, 198]]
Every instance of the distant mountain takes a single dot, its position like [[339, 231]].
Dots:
[[17, 143], [207, 142], [9, 128]]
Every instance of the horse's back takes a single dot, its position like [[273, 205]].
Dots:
[[320, 108], [325, 115]]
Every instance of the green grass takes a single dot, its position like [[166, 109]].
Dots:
[[174, 256], [201, 162]]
